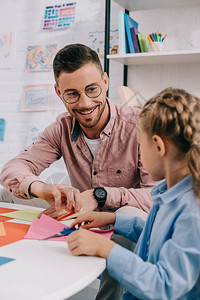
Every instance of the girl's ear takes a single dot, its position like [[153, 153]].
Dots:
[[159, 144]]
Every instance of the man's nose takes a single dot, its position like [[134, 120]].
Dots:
[[84, 100]]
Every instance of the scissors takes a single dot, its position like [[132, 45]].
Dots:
[[64, 232]]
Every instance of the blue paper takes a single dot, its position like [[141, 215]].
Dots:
[[5, 260], [2, 129]]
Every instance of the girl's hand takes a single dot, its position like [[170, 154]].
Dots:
[[94, 219], [85, 242]]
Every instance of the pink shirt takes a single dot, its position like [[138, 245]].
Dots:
[[115, 166]]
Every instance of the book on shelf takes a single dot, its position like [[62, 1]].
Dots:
[[143, 42], [121, 31], [129, 23], [134, 33]]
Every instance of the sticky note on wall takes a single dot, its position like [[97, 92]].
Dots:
[[2, 129]]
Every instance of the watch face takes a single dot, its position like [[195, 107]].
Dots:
[[100, 193]]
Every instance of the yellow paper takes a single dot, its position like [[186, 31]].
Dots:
[[2, 229], [24, 214]]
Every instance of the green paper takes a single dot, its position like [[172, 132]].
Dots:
[[24, 214]]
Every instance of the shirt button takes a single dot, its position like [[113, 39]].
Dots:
[[11, 190], [118, 171], [95, 173]]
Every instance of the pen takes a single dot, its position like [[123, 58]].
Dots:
[[164, 37], [64, 216]]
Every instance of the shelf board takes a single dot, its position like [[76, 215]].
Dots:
[[132, 5], [165, 57]]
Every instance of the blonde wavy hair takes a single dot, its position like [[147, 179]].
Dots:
[[175, 114]]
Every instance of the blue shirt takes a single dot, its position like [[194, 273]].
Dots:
[[172, 266]]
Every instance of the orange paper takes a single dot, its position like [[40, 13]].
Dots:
[[2, 229], [14, 232], [4, 210]]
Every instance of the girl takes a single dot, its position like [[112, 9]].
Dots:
[[166, 261]]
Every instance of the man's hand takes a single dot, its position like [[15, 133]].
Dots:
[[94, 219], [87, 203], [60, 195], [85, 242]]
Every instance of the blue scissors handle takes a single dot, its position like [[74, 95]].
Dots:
[[66, 231]]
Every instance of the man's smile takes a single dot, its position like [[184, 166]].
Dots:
[[85, 112]]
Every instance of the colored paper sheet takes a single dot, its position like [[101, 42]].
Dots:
[[36, 97], [6, 50], [2, 129], [106, 233], [47, 226], [14, 233], [5, 210], [2, 229], [59, 16], [40, 58], [24, 214], [5, 260]]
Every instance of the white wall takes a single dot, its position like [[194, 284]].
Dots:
[[24, 18]]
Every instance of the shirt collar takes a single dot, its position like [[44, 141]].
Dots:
[[108, 128], [160, 192]]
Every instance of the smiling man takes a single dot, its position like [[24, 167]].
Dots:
[[98, 142], [96, 138]]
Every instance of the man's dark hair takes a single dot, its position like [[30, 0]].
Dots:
[[73, 57]]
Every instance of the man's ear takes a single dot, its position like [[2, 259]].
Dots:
[[57, 90], [105, 80], [159, 144]]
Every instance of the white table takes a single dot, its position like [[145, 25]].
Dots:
[[44, 270]]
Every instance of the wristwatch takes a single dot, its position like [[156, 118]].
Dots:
[[100, 194]]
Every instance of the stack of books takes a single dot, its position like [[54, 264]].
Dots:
[[130, 39]]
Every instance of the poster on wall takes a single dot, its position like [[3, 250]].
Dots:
[[60, 16], [36, 97], [6, 50], [96, 41], [40, 58], [34, 130], [2, 129]]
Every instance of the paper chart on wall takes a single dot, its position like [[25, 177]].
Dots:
[[40, 58], [34, 130], [96, 41], [36, 97], [2, 129], [6, 50], [60, 16]]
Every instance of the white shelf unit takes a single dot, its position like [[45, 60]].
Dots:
[[154, 4], [165, 57]]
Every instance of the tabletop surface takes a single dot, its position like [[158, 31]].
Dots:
[[44, 270]]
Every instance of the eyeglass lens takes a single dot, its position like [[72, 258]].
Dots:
[[93, 91]]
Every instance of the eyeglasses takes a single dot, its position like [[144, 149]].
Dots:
[[72, 96]]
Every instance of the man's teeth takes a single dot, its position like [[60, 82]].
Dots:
[[88, 112]]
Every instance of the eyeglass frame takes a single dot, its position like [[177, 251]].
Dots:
[[80, 92]]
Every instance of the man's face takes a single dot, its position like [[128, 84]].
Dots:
[[88, 111]]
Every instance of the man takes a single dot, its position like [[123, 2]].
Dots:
[[96, 138]]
